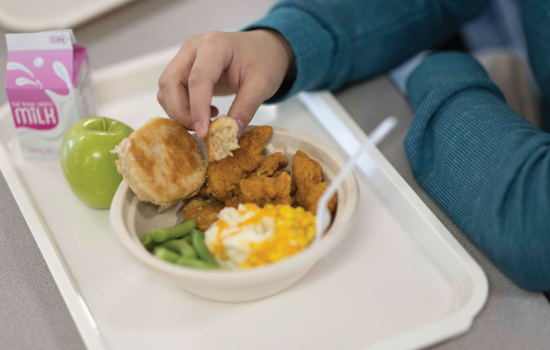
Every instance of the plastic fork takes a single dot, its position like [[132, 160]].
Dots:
[[375, 137]]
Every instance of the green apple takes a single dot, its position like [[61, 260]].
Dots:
[[87, 162]]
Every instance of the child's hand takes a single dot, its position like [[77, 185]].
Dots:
[[251, 64]]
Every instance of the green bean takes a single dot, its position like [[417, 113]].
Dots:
[[178, 231], [166, 254], [181, 247], [188, 239], [191, 262], [147, 240], [199, 231], [201, 248]]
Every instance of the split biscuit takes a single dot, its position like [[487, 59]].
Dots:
[[161, 163], [222, 138]]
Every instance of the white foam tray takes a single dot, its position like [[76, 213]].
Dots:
[[398, 281], [33, 15]]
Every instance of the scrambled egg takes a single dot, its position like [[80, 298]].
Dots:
[[250, 236]]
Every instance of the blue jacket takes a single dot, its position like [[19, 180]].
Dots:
[[483, 163]]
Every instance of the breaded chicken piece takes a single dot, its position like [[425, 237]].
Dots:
[[202, 191], [223, 176], [161, 163], [269, 165], [286, 171], [262, 190], [312, 196], [221, 138], [279, 172], [308, 176], [205, 214]]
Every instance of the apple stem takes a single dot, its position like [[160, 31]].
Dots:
[[104, 124]]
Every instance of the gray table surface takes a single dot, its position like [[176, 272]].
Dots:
[[32, 312]]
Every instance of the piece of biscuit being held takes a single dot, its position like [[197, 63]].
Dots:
[[222, 138]]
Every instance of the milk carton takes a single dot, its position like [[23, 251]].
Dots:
[[49, 89]]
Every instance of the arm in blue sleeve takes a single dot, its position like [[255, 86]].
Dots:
[[536, 23], [483, 163], [341, 41]]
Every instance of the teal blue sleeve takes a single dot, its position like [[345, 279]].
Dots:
[[536, 23], [340, 41], [483, 163]]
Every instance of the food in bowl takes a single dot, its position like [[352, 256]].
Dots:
[[223, 176], [161, 162], [264, 189], [253, 212], [243, 237], [308, 176], [251, 236], [130, 219], [181, 244], [203, 212], [222, 138]]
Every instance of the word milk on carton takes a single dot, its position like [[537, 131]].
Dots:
[[49, 89]]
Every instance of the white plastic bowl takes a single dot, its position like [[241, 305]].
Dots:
[[131, 218]]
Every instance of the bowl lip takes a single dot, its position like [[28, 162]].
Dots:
[[279, 269]]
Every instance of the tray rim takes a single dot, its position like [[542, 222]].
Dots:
[[324, 105], [441, 329], [58, 267]]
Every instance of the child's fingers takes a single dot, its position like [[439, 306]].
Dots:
[[161, 101], [249, 98], [206, 71], [213, 109], [172, 85], [176, 99], [252, 64], [222, 87]]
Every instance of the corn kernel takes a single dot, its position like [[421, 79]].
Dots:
[[294, 230], [252, 206]]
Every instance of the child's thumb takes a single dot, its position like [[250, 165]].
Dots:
[[249, 98]]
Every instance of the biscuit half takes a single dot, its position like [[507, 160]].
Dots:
[[222, 138], [161, 162]]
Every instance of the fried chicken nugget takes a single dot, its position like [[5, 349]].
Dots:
[[223, 176], [279, 172], [262, 190], [286, 171], [205, 214], [202, 192], [312, 196], [269, 165], [308, 176]]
